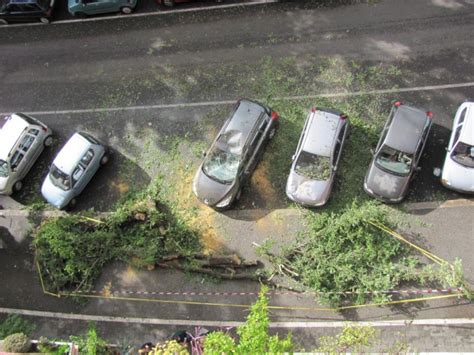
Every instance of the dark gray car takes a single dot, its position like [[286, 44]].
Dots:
[[398, 152], [234, 154]]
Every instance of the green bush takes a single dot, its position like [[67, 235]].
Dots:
[[17, 343], [15, 324]]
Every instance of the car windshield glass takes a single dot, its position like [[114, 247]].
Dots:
[[60, 179], [394, 160], [223, 160], [314, 167], [464, 154], [3, 169]]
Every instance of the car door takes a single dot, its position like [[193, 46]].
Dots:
[[255, 148], [108, 6], [14, 12], [91, 7], [421, 144], [26, 154]]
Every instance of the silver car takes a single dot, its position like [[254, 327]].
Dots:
[[317, 157], [22, 139], [72, 169], [234, 154], [398, 153]]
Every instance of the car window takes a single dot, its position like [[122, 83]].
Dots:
[[13, 8], [77, 174], [87, 158], [59, 178], [394, 161], [33, 131], [30, 7], [16, 159], [26, 142], [337, 148], [464, 154], [462, 116], [457, 134], [3, 169], [314, 167]]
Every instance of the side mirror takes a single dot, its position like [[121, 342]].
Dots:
[[372, 151], [437, 172], [293, 157], [446, 149], [203, 153]]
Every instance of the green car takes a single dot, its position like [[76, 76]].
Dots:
[[82, 8]]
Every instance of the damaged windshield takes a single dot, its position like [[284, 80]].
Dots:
[[3, 169], [59, 178], [394, 160], [314, 167], [464, 154], [222, 162]]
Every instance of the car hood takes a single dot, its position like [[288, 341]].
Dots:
[[53, 194], [306, 191], [209, 191], [386, 185], [457, 176], [4, 185]]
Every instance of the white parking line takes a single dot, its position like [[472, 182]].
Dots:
[[147, 14], [211, 323], [230, 102]]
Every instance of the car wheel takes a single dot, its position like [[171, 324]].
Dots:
[[44, 20], [18, 185], [80, 15], [126, 10], [71, 204], [272, 133], [48, 141], [3, 21], [104, 160], [169, 3]]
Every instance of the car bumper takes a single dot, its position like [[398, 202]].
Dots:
[[382, 198]]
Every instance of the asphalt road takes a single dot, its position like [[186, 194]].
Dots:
[[103, 64]]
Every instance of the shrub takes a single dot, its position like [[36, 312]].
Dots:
[[17, 343], [15, 324]]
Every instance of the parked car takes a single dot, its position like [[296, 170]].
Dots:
[[72, 169], [398, 153], [234, 154], [458, 169], [83, 8], [26, 10], [317, 157], [22, 139], [171, 3]]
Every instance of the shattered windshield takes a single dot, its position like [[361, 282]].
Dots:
[[394, 160], [4, 171], [314, 167], [60, 179], [464, 154], [222, 162]]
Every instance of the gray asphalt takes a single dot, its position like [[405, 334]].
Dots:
[[104, 64]]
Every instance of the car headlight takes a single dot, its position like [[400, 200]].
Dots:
[[445, 182], [225, 202]]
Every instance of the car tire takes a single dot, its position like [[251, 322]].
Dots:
[[104, 160], [168, 3], [71, 204], [80, 15], [44, 20], [18, 186], [272, 133], [48, 141], [3, 21], [126, 10]]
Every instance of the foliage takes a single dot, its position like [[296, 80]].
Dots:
[[15, 324], [91, 342], [253, 334], [353, 338], [17, 343], [343, 252], [73, 249], [169, 348], [47, 347]]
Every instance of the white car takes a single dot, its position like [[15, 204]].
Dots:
[[458, 169], [22, 139], [72, 169], [317, 157]]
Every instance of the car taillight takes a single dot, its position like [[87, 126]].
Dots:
[[44, 128], [429, 114], [313, 109], [274, 116], [397, 104], [343, 116]]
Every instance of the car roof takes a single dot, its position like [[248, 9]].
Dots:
[[406, 129], [71, 153], [321, 132], [10, 132], [244, 119], [467, 132]]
